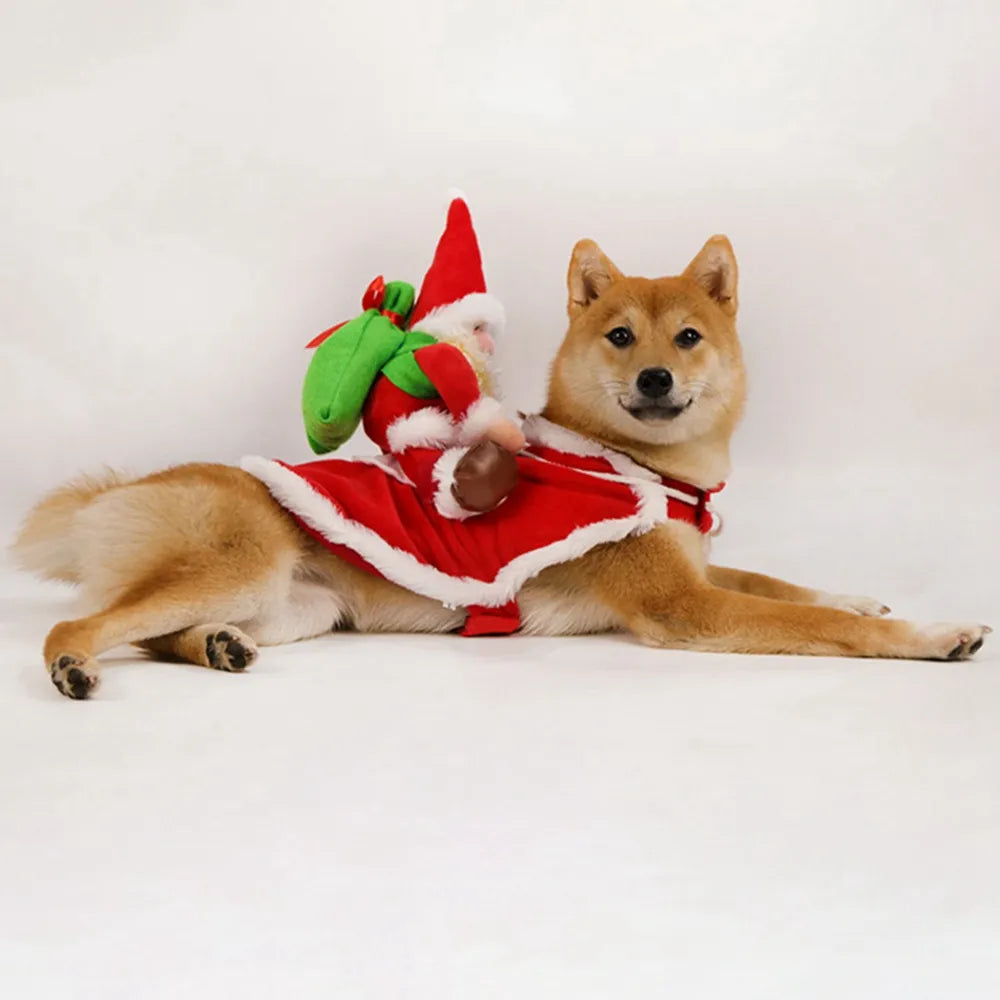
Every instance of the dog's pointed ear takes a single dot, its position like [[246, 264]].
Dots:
[[715, 270], [590, 273]]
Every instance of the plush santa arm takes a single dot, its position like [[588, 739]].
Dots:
[[458, 386]]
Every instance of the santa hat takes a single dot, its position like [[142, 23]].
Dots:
[[453, 297]]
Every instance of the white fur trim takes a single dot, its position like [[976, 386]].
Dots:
[[458, 318], [296, 495], [547, 434], [444, 476], [478, 417], [425, 428], [544, 432]]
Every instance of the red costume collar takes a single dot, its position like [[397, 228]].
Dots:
[[553, 442]]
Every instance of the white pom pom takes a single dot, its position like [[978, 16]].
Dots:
[[456, 194]]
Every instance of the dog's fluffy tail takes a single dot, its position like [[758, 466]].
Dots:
[[46, 543]]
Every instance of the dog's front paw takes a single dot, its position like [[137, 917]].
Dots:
[[229, 649], [866, 606], [74, 676], [948, 641]]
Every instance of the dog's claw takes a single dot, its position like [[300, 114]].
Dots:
[[953, 642]]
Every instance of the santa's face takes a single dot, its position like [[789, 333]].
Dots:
[[483, 338]]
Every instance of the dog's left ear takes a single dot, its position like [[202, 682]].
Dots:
[[590, 273], [715, 270]]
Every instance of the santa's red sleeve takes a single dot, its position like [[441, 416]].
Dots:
[[458, 386]]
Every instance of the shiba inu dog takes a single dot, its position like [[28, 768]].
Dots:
[[201, 563]]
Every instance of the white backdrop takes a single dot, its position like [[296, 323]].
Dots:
[[189, 191]]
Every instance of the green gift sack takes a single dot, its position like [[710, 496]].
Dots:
[[350, 358]]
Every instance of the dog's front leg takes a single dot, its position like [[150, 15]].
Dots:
[[666, 598], [767, 586]]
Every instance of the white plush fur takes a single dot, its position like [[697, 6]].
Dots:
[[477, 419], [457, 319], [543, 432], [444, 477], [425, 428]]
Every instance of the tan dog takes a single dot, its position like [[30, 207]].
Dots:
[[199, 562]]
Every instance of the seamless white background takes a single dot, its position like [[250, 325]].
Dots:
[[190, 191]]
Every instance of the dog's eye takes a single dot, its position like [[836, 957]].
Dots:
[[688, 337], [621, 336]]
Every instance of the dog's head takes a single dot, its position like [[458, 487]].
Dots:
[[650, 361]]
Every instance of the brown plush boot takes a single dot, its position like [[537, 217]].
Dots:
[[484, 476]]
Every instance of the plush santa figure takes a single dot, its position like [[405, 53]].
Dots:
[[432, 404], [456, 446]]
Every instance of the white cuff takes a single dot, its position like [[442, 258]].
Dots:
[[426, 428], [444, 476], [477, 419]]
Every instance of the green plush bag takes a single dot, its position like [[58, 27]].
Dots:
[[345, 364]]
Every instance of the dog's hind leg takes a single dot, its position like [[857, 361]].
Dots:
[[167, 612]]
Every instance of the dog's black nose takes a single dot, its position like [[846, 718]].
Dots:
[[654, 382]]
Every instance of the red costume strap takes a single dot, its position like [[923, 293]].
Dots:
[[492, 621]]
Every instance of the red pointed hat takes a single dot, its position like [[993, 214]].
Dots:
[[453, 297]]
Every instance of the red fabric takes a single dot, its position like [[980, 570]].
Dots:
[[417, 465], [374, 294], [549, 502], [452, 375], [457, 268], [693, 512], [386, 403], [320, 337], [558, 494], [504, 620], [449, 370]]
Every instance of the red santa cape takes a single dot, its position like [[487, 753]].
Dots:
[[572, 495]]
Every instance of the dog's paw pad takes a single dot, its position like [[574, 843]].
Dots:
[[866, 606], [73, 676], [953, 642], [229, 649]]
